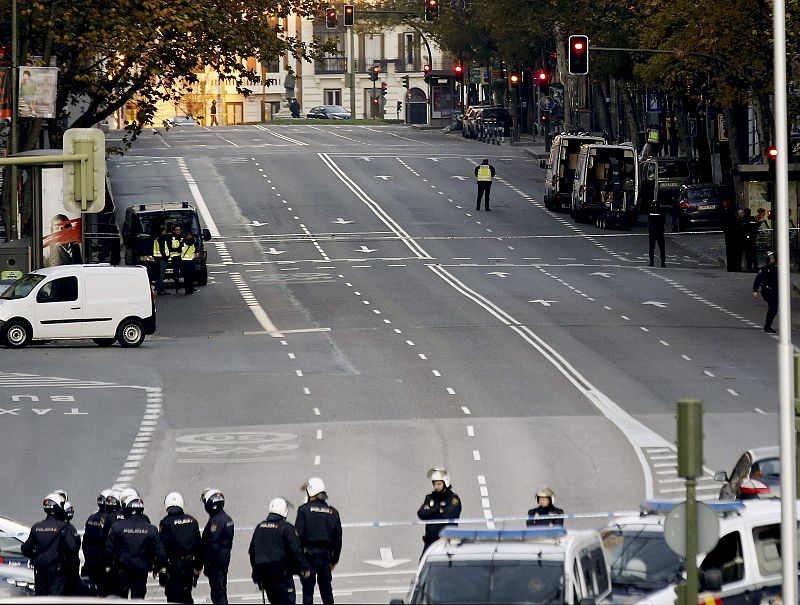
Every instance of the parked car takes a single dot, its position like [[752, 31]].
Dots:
[[536, 565], [16, 572], [468, 121], [182, 121], [329, 112], [757, 474], [561, 168], [699, 205], [499, 116]]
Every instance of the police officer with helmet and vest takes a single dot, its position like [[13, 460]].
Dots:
[[217, 544], [546, 513], [108, 576], [441, 504], [275, 555], [484, 175], [320, 531], [180, 536], [52, 549], [134, 549]]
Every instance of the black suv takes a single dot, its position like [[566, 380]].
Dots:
[[142, 226]]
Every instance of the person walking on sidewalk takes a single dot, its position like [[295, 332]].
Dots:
[[655, 230], [767, 280], [484, 174]]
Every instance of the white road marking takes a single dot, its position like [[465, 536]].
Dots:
[[686, 357], [451, 391], [317, 412], [470, 431], [465, 409], [760, 411], [476, 455], [732, 392]]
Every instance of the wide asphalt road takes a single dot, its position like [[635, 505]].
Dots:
[[364, 323]]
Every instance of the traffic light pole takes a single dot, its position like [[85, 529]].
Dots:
[[690, 466], [352, 74]]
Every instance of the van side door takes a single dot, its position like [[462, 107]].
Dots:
[[58, 310], [595, 580]]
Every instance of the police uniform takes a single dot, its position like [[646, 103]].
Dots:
[[175, 250], [93, 547], [180, 536], [484, 175], [53, 552], [545, 516], [217, 545], [655, 229], [320, 531], [438, 505], [161, 249], [275, 555], [767, 281], [134, 546], [187, 264]]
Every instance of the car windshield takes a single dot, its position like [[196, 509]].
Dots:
[[671, 170], [640, 560], [768, 468], [492, 582], [22, 287], [702, 193], [336, 109]]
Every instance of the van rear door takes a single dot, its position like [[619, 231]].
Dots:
[[58, 311]]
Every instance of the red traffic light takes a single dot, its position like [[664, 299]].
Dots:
[[578, 55], [458, 69], [542, 77], [376, 69], [330, 18], [426, 68], [772, 153], [577, 45]]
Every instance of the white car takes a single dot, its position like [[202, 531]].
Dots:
[[182, 121], [16, 573]]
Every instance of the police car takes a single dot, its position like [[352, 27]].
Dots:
[[537, 565], [744, 566]]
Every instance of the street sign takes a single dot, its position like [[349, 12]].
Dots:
[[655, 102], [707, 529], [691, 127], [547, 103]]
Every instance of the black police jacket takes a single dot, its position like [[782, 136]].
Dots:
[[275, 543], [655, 221], [94, 539], [218, 540], [180, 536], [438, 505], [767, 280], [133, 544], [51, 546], [543, 516], [319, 528]]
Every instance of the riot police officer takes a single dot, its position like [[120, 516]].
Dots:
[[94, 542], [217, 544], [52, 549], [442, 503], [180, 536], [767, 280], [320, 531], [135, 549], [656, 219], [546, 512], [275, 555]]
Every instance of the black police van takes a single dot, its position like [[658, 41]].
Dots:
[[143, 224]]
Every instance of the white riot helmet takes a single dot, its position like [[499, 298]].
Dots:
[[69, 511], [208, 492], [126, 495], [61, 494], [279, 506], [314, 487], [546, 492], [173, 499], [439, 474]]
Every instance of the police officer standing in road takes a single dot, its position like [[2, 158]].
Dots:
[[187, 263], [94, 543], [161, 253], [175, 250], [108, 575], [52, 549], [767, 280], [217, 544], [320, 531], [180, 536], [656, 219], [72, 568], [484, 175], [546, 512], [442, 503], [135, 548], [275, 555]]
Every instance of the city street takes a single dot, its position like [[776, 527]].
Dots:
[[364, 323]]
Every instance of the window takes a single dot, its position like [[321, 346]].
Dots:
[[64, 289], [593, 567], [767, 540], [727, 557], [333, 96], [409, 49]]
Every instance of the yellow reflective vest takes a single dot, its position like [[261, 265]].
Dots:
[[157, 251], [484, 173], [187, 251]]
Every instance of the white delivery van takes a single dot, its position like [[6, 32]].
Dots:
[[100, 302], [561, 168]]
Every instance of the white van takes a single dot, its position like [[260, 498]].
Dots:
[[606, 186], [100, 302], [561, 168]]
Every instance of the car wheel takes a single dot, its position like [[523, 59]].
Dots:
[[104, 342], [16, 334], [130, 333]]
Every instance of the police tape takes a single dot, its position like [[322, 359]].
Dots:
[[417, 522]]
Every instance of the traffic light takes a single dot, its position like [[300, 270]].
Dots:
[[426, 69], [92, 142], [542, 77], [579, 55], [399, 106], [458, 70], [406, 82], [384, 88], [373, 73], [349, 15], [514, 78], [330, 18], [431, 10]]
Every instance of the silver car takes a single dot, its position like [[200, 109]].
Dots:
[[757, 474]]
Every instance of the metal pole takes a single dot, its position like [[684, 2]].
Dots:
[[692, 579], [352, 74], [15, 232], [797, 418], [788, 451]]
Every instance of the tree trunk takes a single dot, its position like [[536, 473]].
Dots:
[[630, 114], [601, 109]]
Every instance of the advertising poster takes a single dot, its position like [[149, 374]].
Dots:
[[5, 93], [61, 228], [37, 92]]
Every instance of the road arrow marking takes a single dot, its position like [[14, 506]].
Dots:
[[601, 274], [387, 560], [341, 221], [544, 303], [365, 249], [433, 159], [460, 178], [660, 305], [497, 273], [383, 176], [258, 224], [274, 251], [366, 158]]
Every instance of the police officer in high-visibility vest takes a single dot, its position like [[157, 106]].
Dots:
[[175, 250], [484, 174], [187, 263]]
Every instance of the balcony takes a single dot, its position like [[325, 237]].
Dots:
[[331, 65]]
